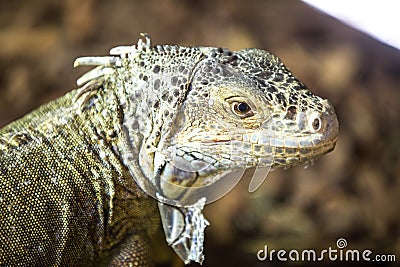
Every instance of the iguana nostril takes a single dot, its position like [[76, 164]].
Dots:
[[316, 124]]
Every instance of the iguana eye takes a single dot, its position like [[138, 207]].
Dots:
[[242, 109]]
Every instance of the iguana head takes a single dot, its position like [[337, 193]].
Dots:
[[193, 114], [245, 109]]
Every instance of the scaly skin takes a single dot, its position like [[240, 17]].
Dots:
[[71, 172]]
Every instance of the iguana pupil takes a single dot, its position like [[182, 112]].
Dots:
[[243, 108]]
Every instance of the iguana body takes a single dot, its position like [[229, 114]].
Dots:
[[72, 171]]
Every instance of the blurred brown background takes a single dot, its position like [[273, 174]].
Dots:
[[352, 193]]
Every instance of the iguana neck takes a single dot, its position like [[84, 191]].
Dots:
[[101, 113], [152, 86]]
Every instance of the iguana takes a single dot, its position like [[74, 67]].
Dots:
[[82, 178]]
